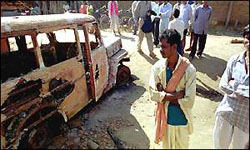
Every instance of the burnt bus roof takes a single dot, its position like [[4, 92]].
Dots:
[[36, 22]]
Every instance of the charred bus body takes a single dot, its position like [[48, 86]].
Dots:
[[48, 68]]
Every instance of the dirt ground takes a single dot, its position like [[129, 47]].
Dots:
[[129, 112]]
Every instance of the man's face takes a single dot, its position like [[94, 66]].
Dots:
[[205, 3], [184, 2], [166, 49], [246, 42]]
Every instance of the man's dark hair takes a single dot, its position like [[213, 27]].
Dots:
[[172, 36], [246, 30], [176, 13]]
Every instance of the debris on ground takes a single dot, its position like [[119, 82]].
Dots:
[[96, 137], [236, 41]]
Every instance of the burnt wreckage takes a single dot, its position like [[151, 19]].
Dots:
[[52, 66]]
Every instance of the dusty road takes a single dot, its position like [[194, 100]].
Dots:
[[129, 111]]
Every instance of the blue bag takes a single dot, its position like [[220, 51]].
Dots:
[[147, 26]]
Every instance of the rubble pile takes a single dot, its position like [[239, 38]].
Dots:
[[76, 136]]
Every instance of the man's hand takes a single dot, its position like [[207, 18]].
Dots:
[[160, 87], [240, 97], [231, 81], [175, 101], [137, 24], [174, 96], [181, 94]]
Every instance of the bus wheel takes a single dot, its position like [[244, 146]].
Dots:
[[123, 75]]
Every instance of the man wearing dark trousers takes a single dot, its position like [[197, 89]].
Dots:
[[156, 23], [202, 16]]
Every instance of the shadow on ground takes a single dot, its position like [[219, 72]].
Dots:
[[149, 59], [209, 65], [208, 92], [126, 38], [117, 103]]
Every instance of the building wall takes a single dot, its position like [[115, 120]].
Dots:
[[240, 12]]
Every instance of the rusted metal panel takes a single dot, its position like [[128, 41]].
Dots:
[[17, 33], [4, 45], [71, 71], [113, 45], [101, 70], [20, 23], [15, 5], [89, 60], [37, 52], [113, 66]]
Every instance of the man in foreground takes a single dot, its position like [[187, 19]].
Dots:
[[232, 115], [172, 85]]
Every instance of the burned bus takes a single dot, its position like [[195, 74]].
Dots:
[[53, 65]]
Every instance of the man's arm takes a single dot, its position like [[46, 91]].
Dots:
[[210, 14], [167, 14], [232, 87], [173, 97], [196, 14], [137, 10], [227, 83], [189, 13], [155, 95], [190, 89], [133, 7]]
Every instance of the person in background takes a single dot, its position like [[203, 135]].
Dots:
[[232, 114], [176, 6], [90, 9], [66, 8], [179, 26], [165, 14], [172, 85], [35, 10], [83, 8], [141, 12], [134, 17], [194, 6], [113, 15], [201, 20], [185, 15], [156, 22]]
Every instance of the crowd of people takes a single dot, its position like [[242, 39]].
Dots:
[[184, 16]]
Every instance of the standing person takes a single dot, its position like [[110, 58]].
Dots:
[[176, 6], [90, 9], [66, 8], [232, 115], [172, 85], [156, 22], [134, 17], [201, 19], [179, 26], [165, 14], [35, 10], [194, 6], [185, 15], [113, 15], [83, 8], [141, 11]]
